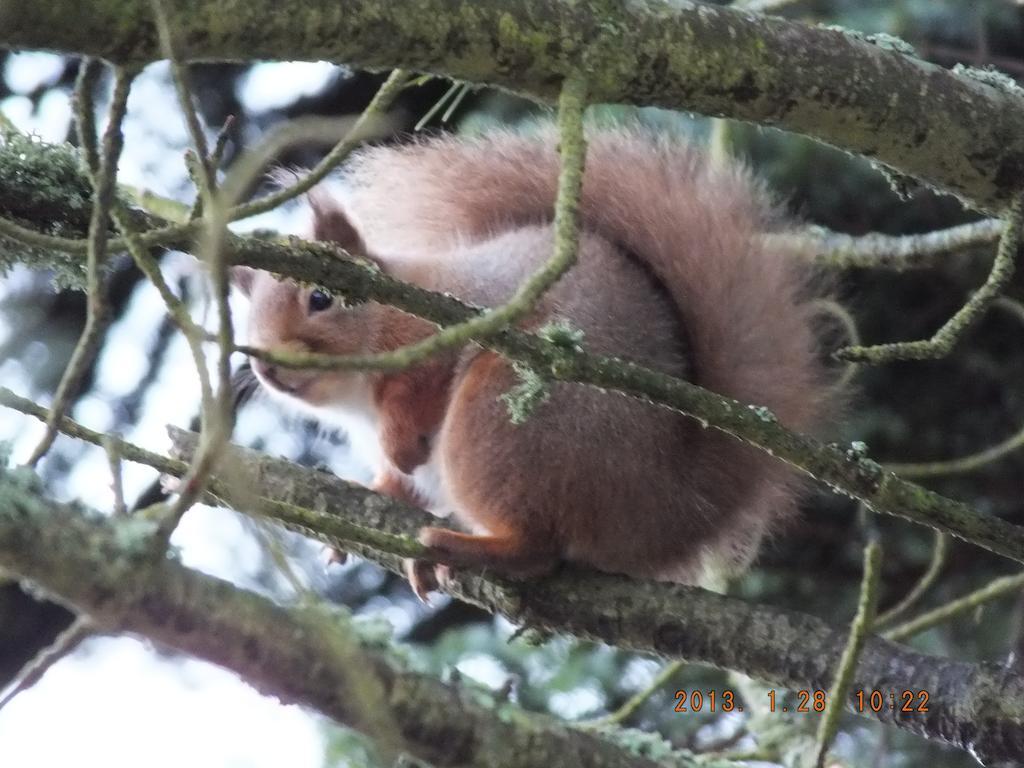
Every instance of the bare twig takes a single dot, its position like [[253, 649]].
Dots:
[[974, 460], [116, 484], [65, 644], [949, 334], [373, 113], [877, 251], [179, 314], [627, 710], [72, 428], [179, 74], [859, 629], [940, 547], [991, 591], [97, 316], [218, 414]]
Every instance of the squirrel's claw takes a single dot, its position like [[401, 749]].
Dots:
[[420, 574], [443, 576], [425, 577]]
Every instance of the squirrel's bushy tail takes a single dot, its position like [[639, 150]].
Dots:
[[747, 310]]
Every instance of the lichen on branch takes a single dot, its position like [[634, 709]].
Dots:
[[950, 130], [311, 655]]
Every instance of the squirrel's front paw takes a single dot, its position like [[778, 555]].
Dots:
[[425, 577]]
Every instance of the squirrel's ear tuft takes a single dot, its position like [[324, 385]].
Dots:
[[331, 224], [241, 278]]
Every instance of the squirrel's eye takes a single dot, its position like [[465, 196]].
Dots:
[[319, 300]]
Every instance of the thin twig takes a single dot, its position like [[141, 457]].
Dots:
[[179, 75], [949, 334], [194, 335], [991, 591], [195, 174], [627, 710], [878, 251], [97, 311], [333, 529], [84, 89], [89, 71], [221, 144], [116, 481], [859, 630], [940, 547], [65, 644], [72, 428], [963, 464], [974, 460], [216, 157], [218, 414], [374, 111], [429, 114]]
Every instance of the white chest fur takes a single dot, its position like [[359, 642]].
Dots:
[[361, 427], [357, 418]]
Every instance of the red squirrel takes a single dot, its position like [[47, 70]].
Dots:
[[670, 275]]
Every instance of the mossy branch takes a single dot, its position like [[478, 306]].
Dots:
[[685, 623], [954, 329], [839, 691], [310, 655], [674, 621], [945, 128], [877, 251]]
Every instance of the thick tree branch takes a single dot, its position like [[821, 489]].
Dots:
[[103, 568], [973, 706], [675, 621], [955, 132]]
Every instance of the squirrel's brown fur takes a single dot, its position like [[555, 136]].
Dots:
[[670, 275]]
